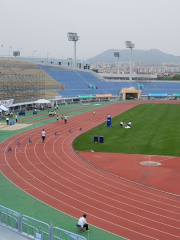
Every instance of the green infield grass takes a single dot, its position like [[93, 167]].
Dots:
[[155, 131]]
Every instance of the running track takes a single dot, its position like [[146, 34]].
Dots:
[[53, 173]]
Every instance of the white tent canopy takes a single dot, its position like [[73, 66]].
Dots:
[[42, 101], [3, 108]]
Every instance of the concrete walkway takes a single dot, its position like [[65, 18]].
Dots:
[[7, 234]]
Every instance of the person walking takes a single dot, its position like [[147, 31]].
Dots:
[[7, 120], [43, 135], [57, 118], [94, 112], [16, 117], [83, 223], [65, 118]]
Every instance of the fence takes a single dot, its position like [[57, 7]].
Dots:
[[33, 228]]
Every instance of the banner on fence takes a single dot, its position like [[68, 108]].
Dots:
[[38, 236], [7, 102], [57, 97]]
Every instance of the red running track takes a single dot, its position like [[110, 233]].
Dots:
[[53, 173]]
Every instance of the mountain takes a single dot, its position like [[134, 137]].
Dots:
[[147, 57]]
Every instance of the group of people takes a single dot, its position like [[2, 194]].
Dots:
[[122, 124], [62, 118], [7, 119], [9, 114], [43, 133]]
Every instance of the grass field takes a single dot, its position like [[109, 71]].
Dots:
[[155, 131]]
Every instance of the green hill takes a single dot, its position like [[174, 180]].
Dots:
[[148, 57]]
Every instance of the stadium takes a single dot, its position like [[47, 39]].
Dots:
[[50, 185]]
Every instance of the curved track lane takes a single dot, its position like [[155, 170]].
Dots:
[[53, 173]]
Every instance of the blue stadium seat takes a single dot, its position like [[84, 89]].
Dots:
[[78, 82]]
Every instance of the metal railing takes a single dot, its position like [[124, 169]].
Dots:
[[9, 217], [33, 228], [59, 233]]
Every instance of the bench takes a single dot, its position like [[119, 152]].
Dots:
[[21, 112]]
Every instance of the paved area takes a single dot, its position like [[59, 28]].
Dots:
[[7, 234]]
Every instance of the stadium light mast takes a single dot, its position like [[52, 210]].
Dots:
[[73, 37], [131, 46], [117, 54]]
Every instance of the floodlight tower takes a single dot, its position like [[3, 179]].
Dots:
[[131, 46], [117, 54], [73, 37]]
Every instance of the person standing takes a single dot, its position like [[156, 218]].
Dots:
[[94, 112], [121, 124], [83, 223], [7, 120], [65, 118], [57, 118], [16, 117], [43, 135]]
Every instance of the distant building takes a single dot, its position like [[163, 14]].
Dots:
[[157, 69]]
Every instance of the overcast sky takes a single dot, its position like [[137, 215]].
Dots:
[[38, 26]]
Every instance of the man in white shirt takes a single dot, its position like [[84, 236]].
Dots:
[[65, 118], [16, 117], [82, 222], [121, 123], [43, 135], [7, 120], [129, 123]]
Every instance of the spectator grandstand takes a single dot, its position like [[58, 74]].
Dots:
[[76, 82], [25, 81]]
